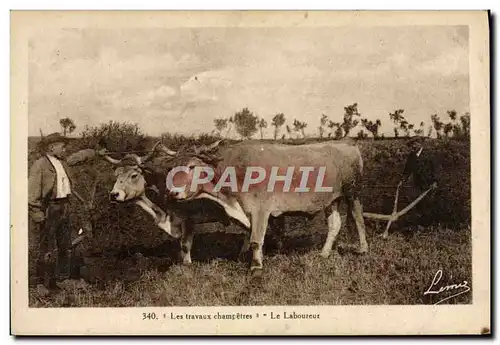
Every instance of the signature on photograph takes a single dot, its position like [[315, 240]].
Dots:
[[434, 288]]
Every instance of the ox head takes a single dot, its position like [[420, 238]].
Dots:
[[189, 164], [130, 175]]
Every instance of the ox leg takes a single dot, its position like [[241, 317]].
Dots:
[[186, 242], [162, 219], [277, 230], [357, 213], [245, 247], [334, 224], [259, 226]]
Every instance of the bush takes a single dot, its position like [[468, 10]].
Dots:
[[115, 136]]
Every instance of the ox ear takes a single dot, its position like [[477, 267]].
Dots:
[[119, 171]]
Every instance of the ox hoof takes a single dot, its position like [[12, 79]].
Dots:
[[165, 225], [186, 262], [256, 272], [362, 250], [384, 236], [325, 254]]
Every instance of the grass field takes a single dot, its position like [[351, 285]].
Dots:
[[395, 271], [131, 262]]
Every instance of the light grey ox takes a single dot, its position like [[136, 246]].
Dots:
[[343, 170]]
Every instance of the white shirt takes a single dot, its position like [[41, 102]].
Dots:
[[62, 180]]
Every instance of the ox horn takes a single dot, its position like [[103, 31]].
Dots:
[[114, 161], [150, 154], [205, 148], [103, 153], [166, 150]]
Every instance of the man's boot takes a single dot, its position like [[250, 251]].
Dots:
[[49, 273]]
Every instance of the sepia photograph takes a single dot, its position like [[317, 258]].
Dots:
[[250, 172]]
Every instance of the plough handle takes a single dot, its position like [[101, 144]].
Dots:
[[395, 215]]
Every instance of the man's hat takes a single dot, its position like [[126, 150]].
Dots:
[[418, 140], [51, 139]]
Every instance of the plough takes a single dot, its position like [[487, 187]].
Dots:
[[395, 214]]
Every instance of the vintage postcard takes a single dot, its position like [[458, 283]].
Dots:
[[250, 173]]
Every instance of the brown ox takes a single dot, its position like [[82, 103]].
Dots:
[[134, 178]]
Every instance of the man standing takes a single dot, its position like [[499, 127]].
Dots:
[[420, 166], [49, 189]]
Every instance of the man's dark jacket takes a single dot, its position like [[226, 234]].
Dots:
[[422, 168]]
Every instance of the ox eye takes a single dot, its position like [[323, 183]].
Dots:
[[134, 175]]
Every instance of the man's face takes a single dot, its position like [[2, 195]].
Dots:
[[58, 149], [416, 146]]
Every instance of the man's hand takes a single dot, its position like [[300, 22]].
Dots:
[[38, 216], [102, 152], [434, 185], [81, 156]]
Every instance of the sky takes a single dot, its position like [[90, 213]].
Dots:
[[179, 80]]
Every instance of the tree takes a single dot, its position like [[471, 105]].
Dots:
[[405, 127], [397, 116], [67, 125], [399, 120], [457, 127], [262, 125], [277, 121], [452, 114], [362, 135], [350, 112], [447, 128], [338, 133], [465, 122], [420, 131], [220, 125], [396, 132], [246, 123], [299, 126], [371, 126], [437, 124], [322, 124]]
